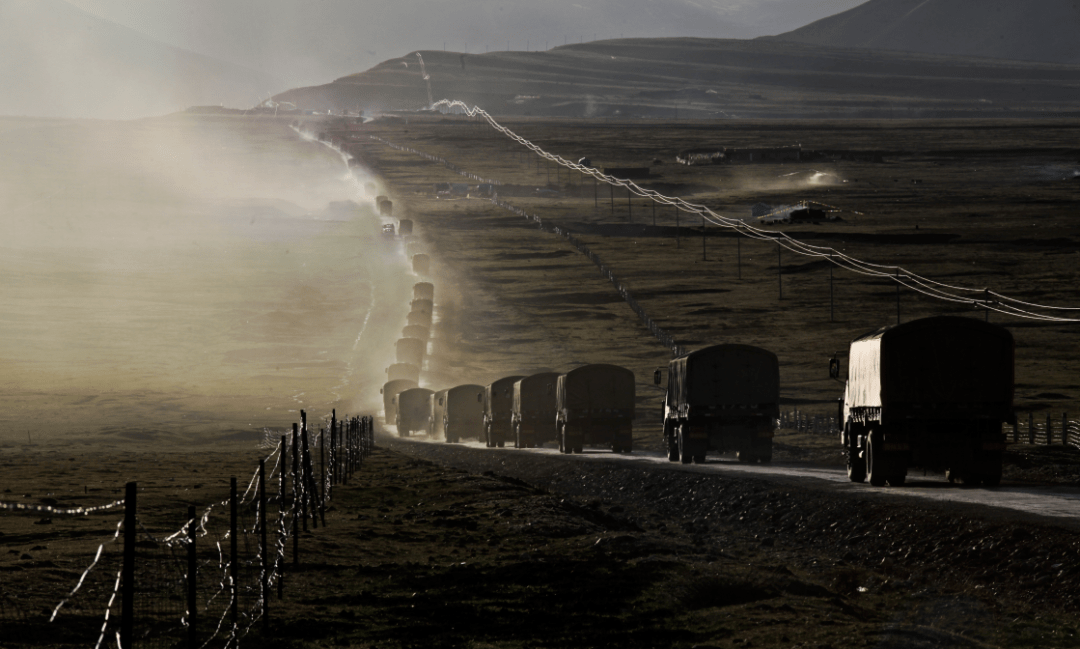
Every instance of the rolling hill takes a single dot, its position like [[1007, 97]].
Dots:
[[707, 78], [1043, 30]]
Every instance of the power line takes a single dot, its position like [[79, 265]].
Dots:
[[991, 300]]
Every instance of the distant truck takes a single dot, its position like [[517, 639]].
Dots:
[[932, 393], [410, 350], [721, 398], [460, 412], [416, 331], [403, 371], [386, 207], [421, 263], [595, 405], [390, 390], [405, 226], [423, 307], [423, 291], [498, 406], [413, 410], [534, 410]]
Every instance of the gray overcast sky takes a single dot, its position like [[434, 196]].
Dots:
[[306, 42]]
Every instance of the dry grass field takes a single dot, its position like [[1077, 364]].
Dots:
[[971, 204]]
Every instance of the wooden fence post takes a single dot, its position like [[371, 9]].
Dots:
[[192, 577], [127, 594], [281, 517], [295, 494], [234, 556], [264, 550]]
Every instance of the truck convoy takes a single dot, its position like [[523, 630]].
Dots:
[[533, 411], [413, 410], [595, 405], [932, 393], [458, 412], [498, 406], [721, 398]]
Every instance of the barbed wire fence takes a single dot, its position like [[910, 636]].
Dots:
[[207, 583]]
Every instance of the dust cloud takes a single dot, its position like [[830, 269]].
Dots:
[[186, 278]]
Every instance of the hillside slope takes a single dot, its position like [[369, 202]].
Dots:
[[1044, 30], [58, 61], [706, 78]]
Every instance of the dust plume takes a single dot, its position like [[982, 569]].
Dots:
[[183, 277]]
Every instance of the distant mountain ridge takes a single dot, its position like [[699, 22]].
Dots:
[[707, 78], [1035, 30], [58, 61]]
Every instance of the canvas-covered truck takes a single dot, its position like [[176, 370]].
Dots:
[[410, 350], [423, 291], [498, 406], [533, 411], [721, 398], [389, 391], [931, 393], [423, 307], [403, 371], [462, 412], [595, 406], [413, 410]]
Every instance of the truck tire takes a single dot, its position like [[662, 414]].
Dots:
[[856, 466], [671, 441], [684, 451], [876, 475], [763, 450], [563, 446]]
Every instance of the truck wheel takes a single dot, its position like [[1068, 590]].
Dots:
[[699, 458], [564, 447], [897, 480], [746, 457], [628, 445], [876, 476], [517, 437], [992, 480], [856, 466], [684, 452], [501, 443], [763, 450]]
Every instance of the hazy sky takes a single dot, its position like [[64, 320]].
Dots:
[[306, 42]]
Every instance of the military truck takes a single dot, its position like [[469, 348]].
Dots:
[[421, 263], [403, 371], [424, 308], [390, 390], [413, 410], [533, 411], [410, 350], [423, 291], [498, 405], [386, 207], [462, 410], [931, 393], [595, 405], [416, 331], [405, 226], [721, 398]]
